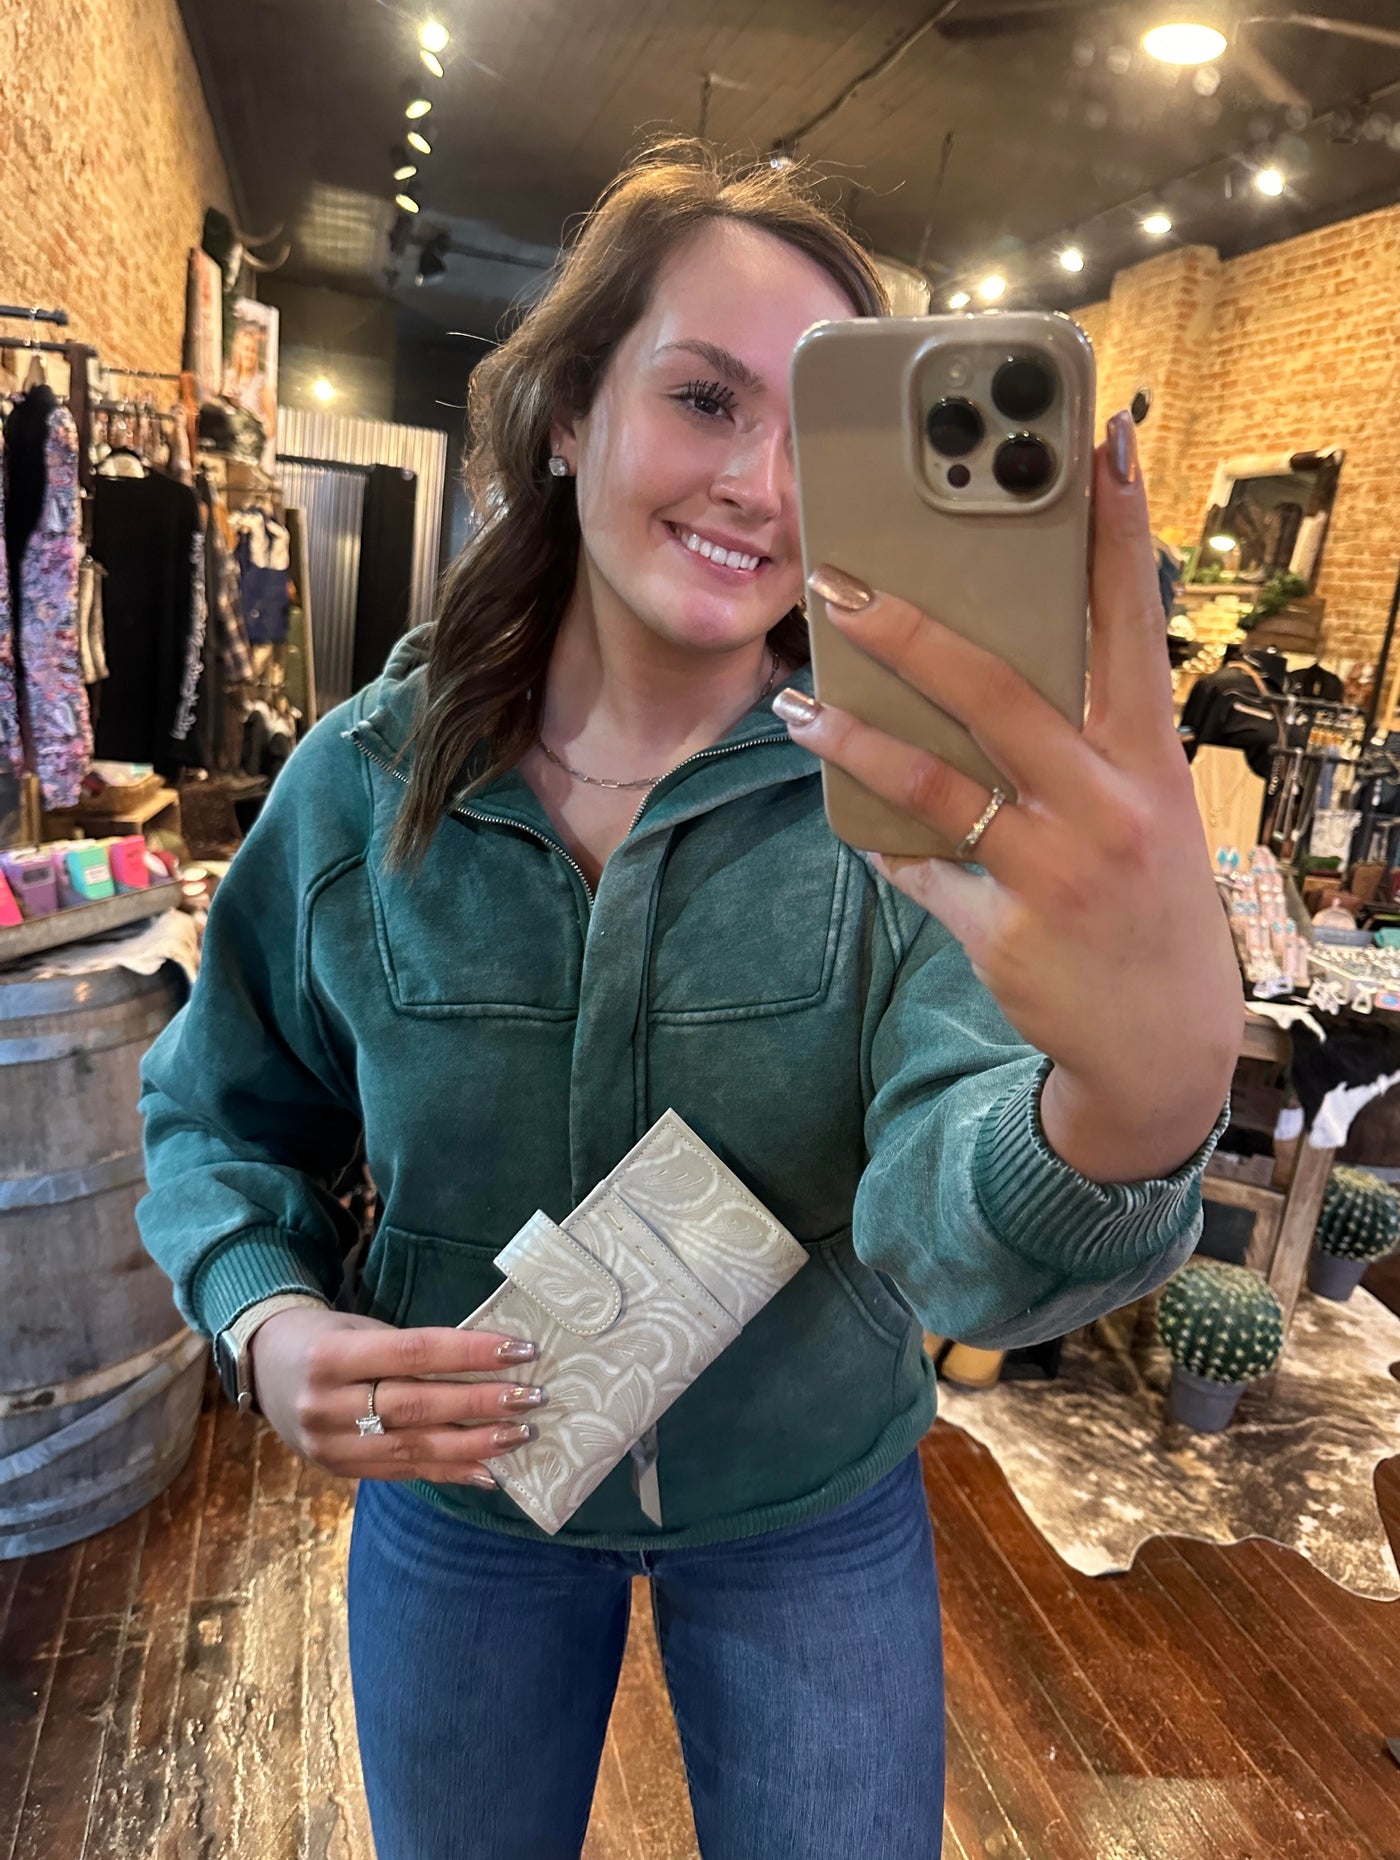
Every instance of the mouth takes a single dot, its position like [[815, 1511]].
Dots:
[[736, 564]]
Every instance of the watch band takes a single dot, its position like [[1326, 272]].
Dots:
[[232, 1355]]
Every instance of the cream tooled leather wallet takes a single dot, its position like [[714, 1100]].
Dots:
[[641, 1287]]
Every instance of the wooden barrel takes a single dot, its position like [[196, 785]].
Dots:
[[100, 1378]]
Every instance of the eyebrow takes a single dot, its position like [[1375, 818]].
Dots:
[[721, 360]]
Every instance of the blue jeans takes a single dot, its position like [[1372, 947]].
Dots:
[[805, 1668]]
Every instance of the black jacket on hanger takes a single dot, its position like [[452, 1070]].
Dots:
[[1228, 709], [26, 474]]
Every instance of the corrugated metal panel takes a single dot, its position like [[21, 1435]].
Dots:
[[380, 442], [332, 503]]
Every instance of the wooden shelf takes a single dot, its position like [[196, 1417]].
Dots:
[[59, 824], [31, 938]]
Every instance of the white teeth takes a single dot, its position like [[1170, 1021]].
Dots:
[[728, 558]]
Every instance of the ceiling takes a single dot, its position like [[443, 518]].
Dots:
[[956, 152]]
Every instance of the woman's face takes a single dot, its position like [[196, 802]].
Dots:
[[245, 352], [688, 444]]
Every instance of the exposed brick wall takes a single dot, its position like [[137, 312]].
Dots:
[[1291, 347], [109, 160]]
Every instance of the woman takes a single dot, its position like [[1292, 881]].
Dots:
[[453, 928], [246, 384]]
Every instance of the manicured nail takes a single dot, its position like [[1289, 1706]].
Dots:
[[795, 707], [1122, 448], [840, 589], [523, 1398], [513, 1436], [483, 1479], [515, 1351]]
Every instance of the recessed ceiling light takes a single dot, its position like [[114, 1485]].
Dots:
[[1158, 224], [990, 289], [407, 202], [433, 62], [419, 107], [1072, 258], [1184, 42], [420, 143], [1270, 181], [959, 300], [432, 36], [323, 389], [405, 171]]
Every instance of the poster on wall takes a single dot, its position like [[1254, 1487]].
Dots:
[[204, 324], [250, 374]]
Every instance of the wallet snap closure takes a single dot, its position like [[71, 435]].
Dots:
[[559, 1273]]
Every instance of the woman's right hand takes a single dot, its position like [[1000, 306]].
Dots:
[[311, 1375]]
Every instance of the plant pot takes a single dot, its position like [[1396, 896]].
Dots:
[[1199, 1403], [1331, 1276]]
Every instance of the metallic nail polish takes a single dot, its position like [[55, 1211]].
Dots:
[[483, 1479], [513, 1436], [840, 589], [795, 707], [1122, 448], [515, 1351], [524, 1398]]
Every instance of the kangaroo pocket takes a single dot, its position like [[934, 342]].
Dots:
[[414, 1279], [805, 1391]]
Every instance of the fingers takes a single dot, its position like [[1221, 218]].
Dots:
[[1130, 681], [921, 785], [447, 1455], [1015, 727], [378, 1353], [963, 903]]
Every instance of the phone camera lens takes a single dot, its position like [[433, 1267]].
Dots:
[[954, 428], [1023, 388], [1023, 464], [959, 477]]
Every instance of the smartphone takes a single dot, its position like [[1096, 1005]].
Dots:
[[948, 460]]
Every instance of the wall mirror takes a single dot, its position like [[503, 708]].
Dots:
[[1267, 515]]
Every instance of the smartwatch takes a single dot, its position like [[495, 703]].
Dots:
[[233, 1358]]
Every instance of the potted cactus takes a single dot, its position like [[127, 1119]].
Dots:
[[1360, 1222], [1224, 1328]]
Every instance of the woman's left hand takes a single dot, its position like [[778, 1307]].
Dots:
[[1097, 925]]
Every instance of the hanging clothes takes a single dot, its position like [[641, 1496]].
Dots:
[[44, 720], [264, 566], [147, 536]]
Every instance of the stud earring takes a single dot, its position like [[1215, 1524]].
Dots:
[[558, 465]]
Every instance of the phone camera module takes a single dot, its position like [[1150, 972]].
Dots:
[[1024, 464], [1023, 388], [955, 428]]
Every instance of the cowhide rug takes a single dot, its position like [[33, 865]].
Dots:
[[1098, 1469]]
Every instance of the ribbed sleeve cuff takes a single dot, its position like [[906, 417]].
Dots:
[[251, 1266], [1047, 1211]]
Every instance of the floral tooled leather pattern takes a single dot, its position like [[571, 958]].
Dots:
[[695, 1256]]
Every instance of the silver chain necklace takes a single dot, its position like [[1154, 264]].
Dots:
[[597, 781]]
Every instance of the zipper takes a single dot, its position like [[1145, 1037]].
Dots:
[[500, 820]]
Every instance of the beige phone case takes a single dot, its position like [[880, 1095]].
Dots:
[[1010, 573]]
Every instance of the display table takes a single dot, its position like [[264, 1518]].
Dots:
[[1285, 1210]]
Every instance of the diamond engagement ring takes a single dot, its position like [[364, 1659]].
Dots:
[[968, 846], [370, 1423]]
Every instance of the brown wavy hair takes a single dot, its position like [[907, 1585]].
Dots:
[[504, 596]]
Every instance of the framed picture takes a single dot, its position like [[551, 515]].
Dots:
[[204, 324], [250, 371]]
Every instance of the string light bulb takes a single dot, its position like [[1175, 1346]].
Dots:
[[323, 389], [959, 300], [1157, 224], [1184, 42], [432, 62], [405, 171], [1270, 181], [1072, 259], [992, 288], [419, 143], [432, 36], [406, 202], [418, 108]]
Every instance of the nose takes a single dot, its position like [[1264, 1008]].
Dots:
[[757, 474]]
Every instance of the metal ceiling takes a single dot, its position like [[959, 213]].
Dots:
[[964, 151]]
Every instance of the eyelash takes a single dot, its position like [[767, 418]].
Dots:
[[696, 391]]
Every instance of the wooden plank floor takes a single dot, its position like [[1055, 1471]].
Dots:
[[176, 1688]]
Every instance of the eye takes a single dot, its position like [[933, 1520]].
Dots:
[[711, 400]]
